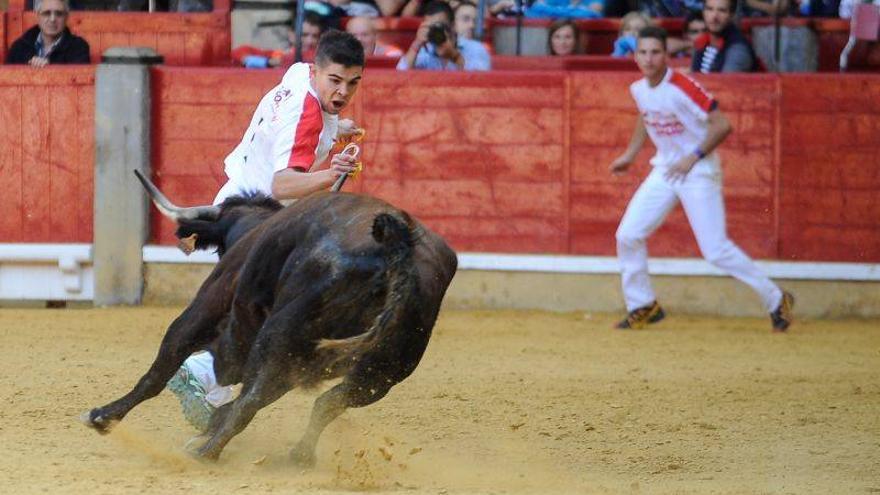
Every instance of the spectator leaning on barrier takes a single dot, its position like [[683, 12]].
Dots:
[[50, 41], [723, 48], [364, 29], [436, 46], [562, 38]]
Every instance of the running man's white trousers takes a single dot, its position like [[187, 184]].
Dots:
[[700, 196]]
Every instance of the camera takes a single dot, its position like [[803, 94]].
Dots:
[[438, 33]]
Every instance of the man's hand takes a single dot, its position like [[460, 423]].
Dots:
[[347, 131], [421, 36], [450, 52], [621, 165], [38, 62], [342, 163], [678, 171]]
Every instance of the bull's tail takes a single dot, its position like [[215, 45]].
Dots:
[[397, 237]]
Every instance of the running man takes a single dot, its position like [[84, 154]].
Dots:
[[686, 126]]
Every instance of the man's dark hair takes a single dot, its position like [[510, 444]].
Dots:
[[313, 18], [339, 47], [693, 15], [731, 4], [657, 33], [436, 7]]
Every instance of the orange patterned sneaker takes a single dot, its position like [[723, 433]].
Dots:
[[782, 316], [642, 317]]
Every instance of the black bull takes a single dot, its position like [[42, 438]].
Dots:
[[334, 285]]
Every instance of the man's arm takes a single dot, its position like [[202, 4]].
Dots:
[[718, 128], [622, 163], [738, 58], [408, 60], [79, 54], [292, 184]]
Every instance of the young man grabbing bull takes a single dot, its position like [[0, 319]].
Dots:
[[281, 154]]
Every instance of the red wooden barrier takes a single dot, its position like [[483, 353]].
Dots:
[[47, 156], [3, 42], [509, 162], [183, 39], [517, 162]]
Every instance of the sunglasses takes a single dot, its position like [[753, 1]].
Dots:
[[46, 14], [697, 31]]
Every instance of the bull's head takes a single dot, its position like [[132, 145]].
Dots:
[[218, 226]]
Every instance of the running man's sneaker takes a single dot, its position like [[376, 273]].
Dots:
[[642, 317], [782, 316], [190, 391]]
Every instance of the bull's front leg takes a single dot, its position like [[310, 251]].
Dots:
[[191, 331]]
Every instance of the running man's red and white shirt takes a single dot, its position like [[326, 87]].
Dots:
[[288, 130], [676, 115]]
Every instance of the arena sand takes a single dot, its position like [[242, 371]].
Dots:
[[503, 402]]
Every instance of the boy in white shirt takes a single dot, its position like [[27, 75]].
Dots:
[[686, 126], [281, 155]]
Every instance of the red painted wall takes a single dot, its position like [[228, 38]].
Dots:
[[47, 156], [512, 162], [517, 162]]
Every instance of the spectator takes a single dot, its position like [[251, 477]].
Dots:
[[723, 48], [760, 8], [405, 8], [630, 26], [437, 47], [354, 8], [575, 9], [167, 5], [562, 39], [50, 41], [505, 8], [847, 7], [364, 29], [465, 14], [669, 8], [258, 58], [694, 26]]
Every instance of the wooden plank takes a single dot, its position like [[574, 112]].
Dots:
[[11, 224]]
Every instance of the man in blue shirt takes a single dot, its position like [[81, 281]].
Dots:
[[437, 47]]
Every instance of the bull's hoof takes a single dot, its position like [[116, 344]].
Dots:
[[198, 448], [303, 458], [93, 419], [194, 444]]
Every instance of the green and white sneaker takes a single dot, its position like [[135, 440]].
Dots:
[[190, 391]]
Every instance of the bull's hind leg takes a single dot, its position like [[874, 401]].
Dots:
[[351, 392], [191, 331]]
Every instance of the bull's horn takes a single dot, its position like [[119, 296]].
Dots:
[[172, 211]]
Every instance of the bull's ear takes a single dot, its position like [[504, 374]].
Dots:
[[173, 211]]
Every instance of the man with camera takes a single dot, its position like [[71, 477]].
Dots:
[[437, 47]]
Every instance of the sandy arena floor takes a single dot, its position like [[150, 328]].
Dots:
[[503, 402]]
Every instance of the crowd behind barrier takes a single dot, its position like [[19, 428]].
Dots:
[[504, 161], [203, 39]]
